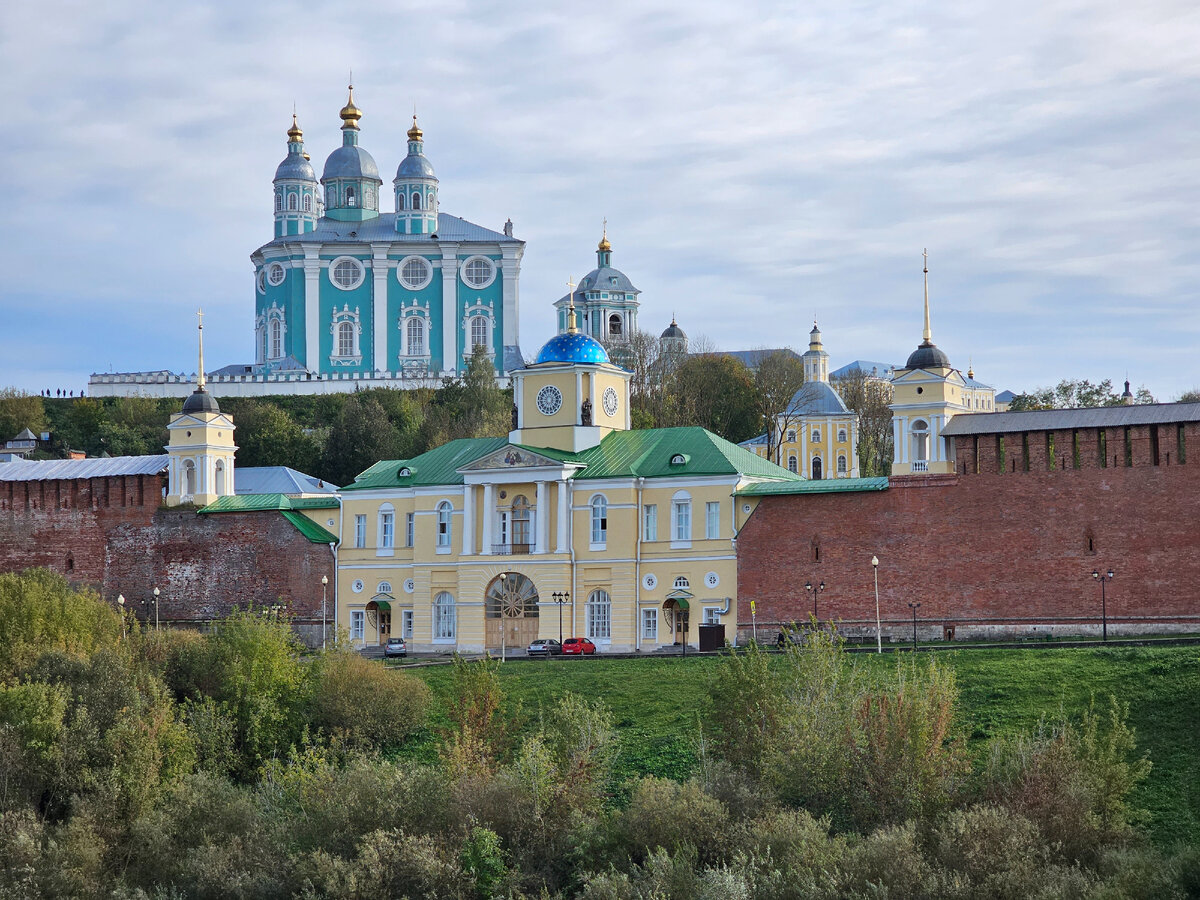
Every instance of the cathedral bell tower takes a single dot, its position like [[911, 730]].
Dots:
[[297, 195], [200, 446], [416, 188], [351, 178]]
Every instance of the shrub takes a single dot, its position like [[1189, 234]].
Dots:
[[480, 734], [365, 704], [674, 816]]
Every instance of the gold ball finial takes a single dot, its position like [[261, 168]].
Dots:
[[604, 244], [415, 133], [350, 113], [295, 135]]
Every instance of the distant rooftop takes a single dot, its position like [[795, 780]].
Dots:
[[869, 367], [277, 480], [1064, 419], [62, 469]]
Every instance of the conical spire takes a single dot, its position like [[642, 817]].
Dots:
[[200, 331], [927, 334]]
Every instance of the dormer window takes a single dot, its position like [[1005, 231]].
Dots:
[[678, 459], [404, 472]]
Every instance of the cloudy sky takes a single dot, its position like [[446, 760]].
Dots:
[[759, 163]]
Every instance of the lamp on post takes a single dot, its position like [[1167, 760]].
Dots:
[[503, 617], [121, 604], [815, 590], [155, 602], [561, 597], [914, 607], [1107, 576], [878, 625], [324, 585]]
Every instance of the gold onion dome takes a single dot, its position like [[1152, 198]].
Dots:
[[350, 113], [415, 133], [604, 244], [295, 135]]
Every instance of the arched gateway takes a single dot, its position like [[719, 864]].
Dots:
[[511, 612]]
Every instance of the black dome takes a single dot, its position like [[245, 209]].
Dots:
[[928, 356], [674, 331], [201, 401]]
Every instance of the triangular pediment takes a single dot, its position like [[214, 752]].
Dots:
[[513, 456]]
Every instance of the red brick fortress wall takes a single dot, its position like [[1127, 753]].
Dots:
[[987, 554]]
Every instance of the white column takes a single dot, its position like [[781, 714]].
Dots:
[[450, 323], [541, 517], [312, 307], [468, 528], [564, 493], [488, 513], [379, 322]]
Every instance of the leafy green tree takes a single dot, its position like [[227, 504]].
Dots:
[[75, 424], [361, 437], [19, 410], [268, 436], [1076, 394], [469, 407], [1192, 396], [365, 704], [870, 400], [716, 392]]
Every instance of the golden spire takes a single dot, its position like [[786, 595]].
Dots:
[[572, 327], [604, 244], [970, 367], [200, 372], [415, 133], [927, 334], [350, 113], [295, 135]]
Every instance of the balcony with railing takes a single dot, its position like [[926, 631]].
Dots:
[[920, 465], [512, 549]]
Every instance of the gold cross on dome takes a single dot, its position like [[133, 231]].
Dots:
[[571, 284]]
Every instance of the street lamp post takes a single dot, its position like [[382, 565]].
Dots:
[[878, 624], [816, 592], [561, 597], [324, 585], [1107, 576], [914, 607], [503, 618], [156, 593], [121, 604]]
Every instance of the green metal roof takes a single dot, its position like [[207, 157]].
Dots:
[[309, 528], [824, 486], [266, 502], [436, 467]]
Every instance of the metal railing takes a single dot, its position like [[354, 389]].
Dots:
[[512, 549], [920, 465]]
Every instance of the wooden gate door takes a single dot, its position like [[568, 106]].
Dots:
[[511, 604]]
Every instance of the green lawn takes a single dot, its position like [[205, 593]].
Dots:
[[659, 707]]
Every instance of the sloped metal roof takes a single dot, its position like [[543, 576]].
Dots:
[[310, 529], [816, 398], [267, 503], [277, 480], [821, 486], [383, 228], [65, 469], [1064, 419]]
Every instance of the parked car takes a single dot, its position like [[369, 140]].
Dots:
[[578, 646], [545, 647], [395, 646]]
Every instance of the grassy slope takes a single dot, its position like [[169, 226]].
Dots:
[[659, 705]]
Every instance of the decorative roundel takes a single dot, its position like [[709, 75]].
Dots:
[[410, 585], [746, 508], [275, 274], [346, 273], [712, 579], [414, 272], [610, 401], [261, 281], [649, 581], [478, 272], [549, 400], [357, 586], [328, 522]]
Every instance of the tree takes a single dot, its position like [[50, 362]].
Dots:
[[268, 436], [469, 407], [361, 437], [717, 392], [1075, 394], [1192, 396], [779, 383], [870, 399], [19, 410]]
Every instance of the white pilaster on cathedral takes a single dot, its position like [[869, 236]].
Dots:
[[564, 511], [312, 308], [450, 312], [379, 290], [468, 527], [543, 517], [510, 270], [489, 513]]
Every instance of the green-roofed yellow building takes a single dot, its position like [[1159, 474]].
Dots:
[[627, 536]]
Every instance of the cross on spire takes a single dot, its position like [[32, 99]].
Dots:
[[200, 331], [572, 327]]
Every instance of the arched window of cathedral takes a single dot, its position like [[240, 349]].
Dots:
[[793, 465], [479, 331], [399, 201], [220, 479], [416, 336], [189, 478], [276, 339], [791, 435], [292, 202], [345, 339], [416, 200], [615, 326], [278, 202], [307, 203], [351, 197], [841, 435], [816, 468], [816, 436], [841, 465], [920, 440]]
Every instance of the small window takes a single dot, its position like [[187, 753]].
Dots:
[[793, 464], [479, 272], [816, 436], [360, 531], [346, 273], [712, 615], [479, 331], [279, 203], [712, 521], [276, 274], [351, 197], [292, 202], [841, 465], [345, 339], [816, 468], [681, 514], [444, 510], [791, 436], [415, 272], [681, 583], [615, 326], [416, 200], [599, 519], [385, 587], [678, 459], [650, 523], [307, 203], [358, 622], [387, 528], [650, 624], [841, 435], [409, 529], [276, 339]]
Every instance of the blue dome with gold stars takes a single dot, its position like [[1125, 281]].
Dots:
[[572, 348]]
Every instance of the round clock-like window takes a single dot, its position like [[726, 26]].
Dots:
[[610, 401], [549, 400]]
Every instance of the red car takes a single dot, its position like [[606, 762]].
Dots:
[[577, 646]]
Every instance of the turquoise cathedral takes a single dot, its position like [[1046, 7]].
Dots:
[[347, 291]]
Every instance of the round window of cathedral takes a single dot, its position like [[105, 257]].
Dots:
[[610, 401], [479, 272], [346, 273], [275, 274], [549, 400], [414, 272], [261, 281]]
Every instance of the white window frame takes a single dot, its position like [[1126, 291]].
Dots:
[[712, 615], [406, 624], [791, 436], [358, 264], [486, 283], [445, 618], [681, 520], [650, 624], [841, 435], [360, 531], [598, 507], [408, 283], [410, 529], [712, 520], [445, 526], [650, 522], [478, 310], [345, 318], [842, 467], [358, 624], [793, 463], [385, 535], [599, 616]]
